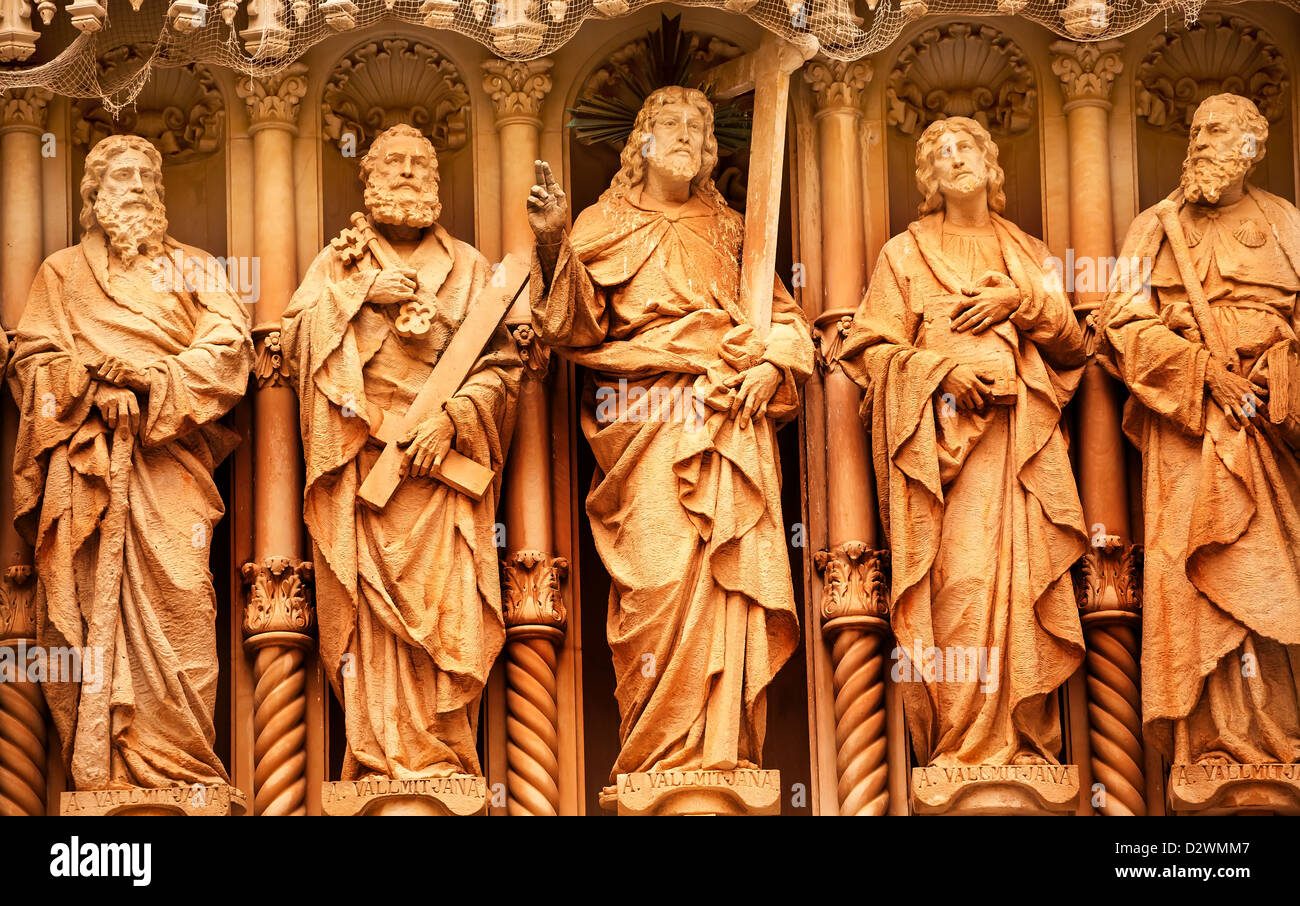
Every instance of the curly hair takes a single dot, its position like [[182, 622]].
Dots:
[[1245, 116], [927, 180], [633, 170], [97, 162], [372, 155]]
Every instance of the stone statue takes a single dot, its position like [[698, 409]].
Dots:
[[122, 367], [1209, 353], [968, 350], [681, 410], [408, 595]]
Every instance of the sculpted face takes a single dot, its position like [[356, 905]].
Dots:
[[1220, 153], [959, 165], [402, 185], [128, 206], [677, 150]]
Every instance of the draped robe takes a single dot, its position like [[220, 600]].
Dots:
[[980, 508], [408, 598], [1221, 602], [685, 504], [121, 524]]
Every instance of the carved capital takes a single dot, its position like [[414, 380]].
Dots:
[[534, 595], [279, 597], [1086, 70], [24, 108], [17, 603], [536, 354], [1108, 579], [829, 333], [855, 584], [268, 365], [517, 89], [837, 85], [276, 99]]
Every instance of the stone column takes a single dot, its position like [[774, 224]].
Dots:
[[1107, 582], [854, 606], [23, 733], [533, 596], [279, 615]]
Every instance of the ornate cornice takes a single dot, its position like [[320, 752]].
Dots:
[[1087, 71], [274, 100], [1224, 54], [279, 597], [837, 85], [517, 90], [24, 109], [961, 69], [383, 83]]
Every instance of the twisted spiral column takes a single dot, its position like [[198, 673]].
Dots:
[[23, 734], [277, 621], [535, 617], [1107, 588], [854, 610]]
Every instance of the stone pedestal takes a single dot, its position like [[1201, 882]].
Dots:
[[1231, 789], [457, 794], [994, 789], [738, 792], [198, 800]]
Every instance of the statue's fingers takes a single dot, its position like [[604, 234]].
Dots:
[[539, 172]]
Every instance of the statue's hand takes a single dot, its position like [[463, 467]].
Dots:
[[548, 208], [121, 373], [991, 301], [757, 387], [427, 444], [393, 285], [1239, 399], [118, 406], [967, 388]]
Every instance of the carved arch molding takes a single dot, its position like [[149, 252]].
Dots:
[[1182, 67], [961, 69], [180, 109], [397, 80]]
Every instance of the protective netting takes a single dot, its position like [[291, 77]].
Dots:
[[262, 37]]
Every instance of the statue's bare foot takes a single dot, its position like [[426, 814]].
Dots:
[[1215, 759], [1028, 757]]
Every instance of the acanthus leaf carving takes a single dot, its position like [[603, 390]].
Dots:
[[534, 593], [1108, 578], [836, 84], [517, 89], [275, 99], [854, 581], [1087, 70], [24, 108], [279, 596]]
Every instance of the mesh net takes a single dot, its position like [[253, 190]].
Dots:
[[262, 37]]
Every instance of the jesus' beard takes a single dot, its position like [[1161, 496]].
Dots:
[[134, 231], [386, 206], [678, 166], [1205, 179]]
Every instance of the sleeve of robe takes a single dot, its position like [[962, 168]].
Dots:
[[572, 311], [1163, 370]]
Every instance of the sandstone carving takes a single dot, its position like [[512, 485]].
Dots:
[[1209, 352], [968, 350], [408, 595], [121, 373], [684, 507]]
